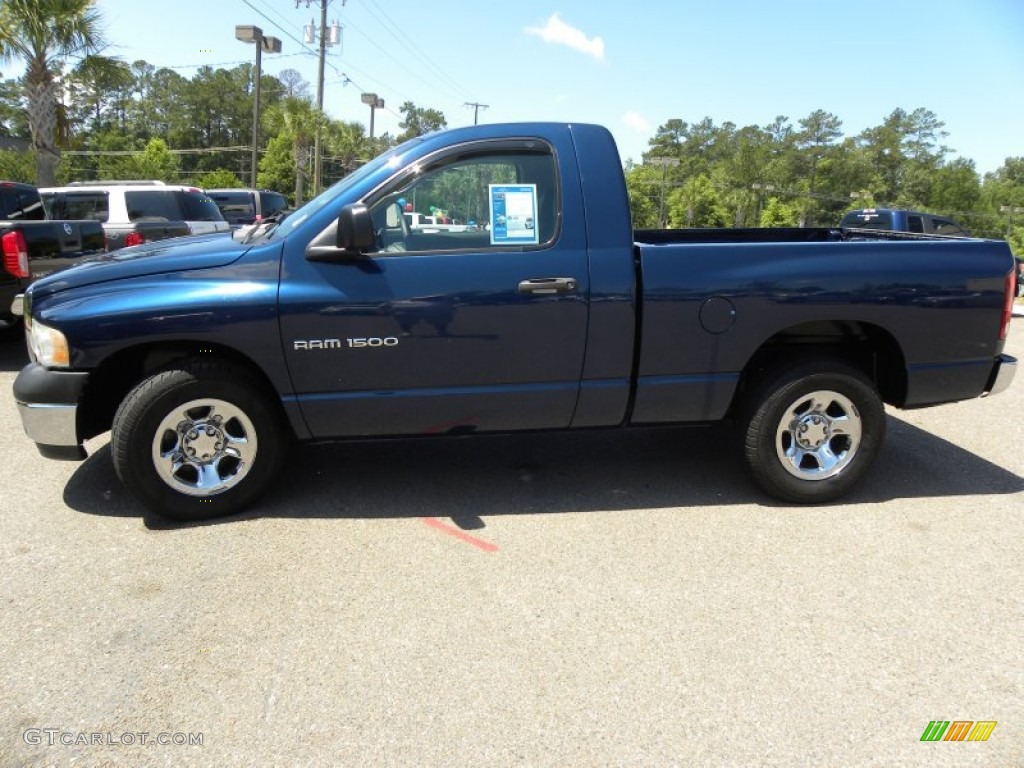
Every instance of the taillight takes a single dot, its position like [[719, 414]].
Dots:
[[15, 254], [1011, 290], [134, 238]]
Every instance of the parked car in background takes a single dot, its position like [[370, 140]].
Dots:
[[32, 247], [247, 206], [897, 220], [135, 212]]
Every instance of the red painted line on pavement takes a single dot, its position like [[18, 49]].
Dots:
[[451, 530]]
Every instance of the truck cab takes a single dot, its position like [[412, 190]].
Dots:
[[898, 220]]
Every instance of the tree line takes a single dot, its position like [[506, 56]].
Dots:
[[705, 174], [120, 121]]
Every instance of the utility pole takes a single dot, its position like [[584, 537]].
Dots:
[[476, 109], [326, 39], [665, 163], [318, 162]]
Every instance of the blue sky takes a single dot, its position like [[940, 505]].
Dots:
[[629, 66]]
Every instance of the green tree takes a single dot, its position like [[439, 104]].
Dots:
[[778, 214], [297, 120], [643, 186], [219, 179], [417, 121], [155, 162], [346, 147], [42, 33], [100, 89], [697, 204], [815, 141], [277, 166], [17, 166], [13, 118]]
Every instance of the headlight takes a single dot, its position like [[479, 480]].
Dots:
[[47, 346]]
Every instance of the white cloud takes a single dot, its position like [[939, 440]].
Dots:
[[637, 122], [558, 32]]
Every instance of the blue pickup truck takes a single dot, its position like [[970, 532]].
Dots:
[[207, 358]]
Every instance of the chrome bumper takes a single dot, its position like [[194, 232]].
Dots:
[[48, 405], [50, 424], [18, 305], [1003, 371]]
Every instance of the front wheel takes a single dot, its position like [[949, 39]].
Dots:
[[813, 431], [197, 441]]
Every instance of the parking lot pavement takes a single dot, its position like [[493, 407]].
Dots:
[[549, 600]]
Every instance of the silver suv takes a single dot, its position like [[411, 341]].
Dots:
[[134, 212]]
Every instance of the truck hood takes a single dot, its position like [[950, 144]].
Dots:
[[162, 257]]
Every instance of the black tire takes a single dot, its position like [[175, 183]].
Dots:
[[198, 440], [812, 430]]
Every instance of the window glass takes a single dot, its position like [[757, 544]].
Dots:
[[867, 220], [198, 206], [236, 207], [152, 204], [915, 224], [271, 203], [20, 205], [449, 205], [947, 227], [78, 205]]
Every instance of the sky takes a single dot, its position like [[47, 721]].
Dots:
[[628, 66]]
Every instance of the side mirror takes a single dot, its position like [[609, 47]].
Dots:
[[355, 228]]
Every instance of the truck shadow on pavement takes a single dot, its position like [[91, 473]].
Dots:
[[470, 479]]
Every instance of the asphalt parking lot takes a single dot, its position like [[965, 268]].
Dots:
[[598, 599]]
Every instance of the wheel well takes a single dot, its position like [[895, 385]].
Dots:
[[109, 384], [867, 347]]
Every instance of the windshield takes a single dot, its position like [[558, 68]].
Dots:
[[330, 194]]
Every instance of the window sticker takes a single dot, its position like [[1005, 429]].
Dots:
[[513, 214]]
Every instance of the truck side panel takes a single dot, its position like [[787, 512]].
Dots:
[[709, 308], [614, 310]]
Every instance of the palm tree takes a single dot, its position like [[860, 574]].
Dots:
[[297, 119], [42, 33]]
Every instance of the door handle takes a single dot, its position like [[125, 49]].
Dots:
[[548, 285]]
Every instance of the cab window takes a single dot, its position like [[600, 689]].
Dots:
[[490, 199]]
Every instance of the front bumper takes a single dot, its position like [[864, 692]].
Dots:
[[1003, 370], [48, 405]]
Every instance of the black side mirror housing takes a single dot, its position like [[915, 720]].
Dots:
[[355, 228]]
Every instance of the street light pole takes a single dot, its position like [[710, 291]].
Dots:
[[375, 102], [249, 33]]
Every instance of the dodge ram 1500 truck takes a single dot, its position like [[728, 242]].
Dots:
[[204, 358]]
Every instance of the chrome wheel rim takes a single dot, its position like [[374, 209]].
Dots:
[[204, 447], [818, 435]]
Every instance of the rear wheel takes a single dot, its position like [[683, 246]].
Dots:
[[813, 431], [197, 441]]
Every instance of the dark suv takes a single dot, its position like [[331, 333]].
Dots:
[[247, 206]]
